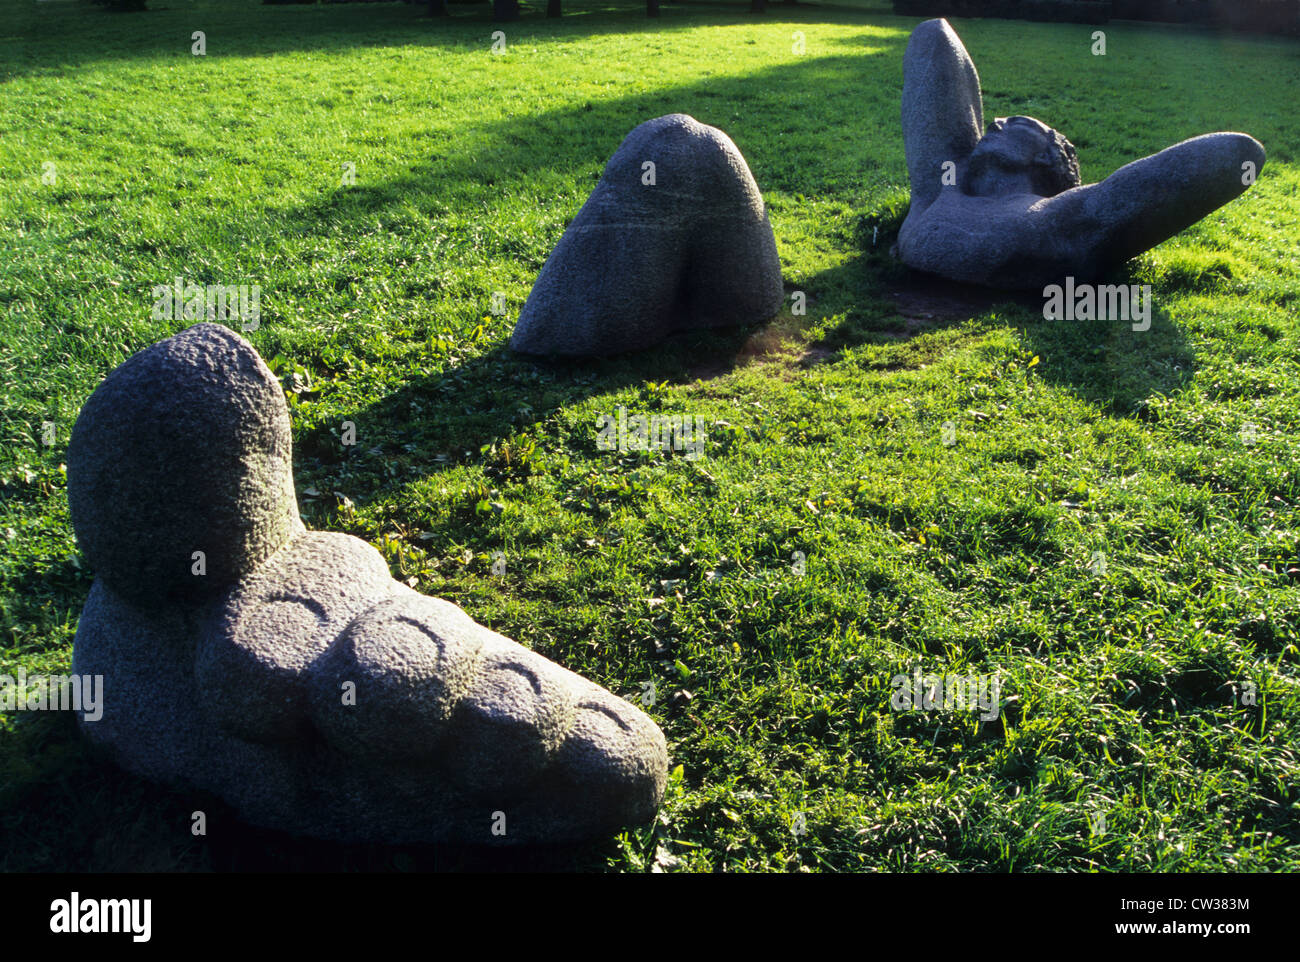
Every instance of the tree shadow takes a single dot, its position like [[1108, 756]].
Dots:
[[47, 36], [497, 393], [784, 106]]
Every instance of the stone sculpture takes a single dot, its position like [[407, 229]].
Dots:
[[1008, 210], [674, 236], [284, 669]]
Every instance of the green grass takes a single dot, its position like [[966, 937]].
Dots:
[[826, 430]]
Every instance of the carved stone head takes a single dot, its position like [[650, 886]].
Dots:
[[1019, 154]]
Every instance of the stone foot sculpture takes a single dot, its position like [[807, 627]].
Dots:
[[1007, 209], [674, 236], [284, 669]]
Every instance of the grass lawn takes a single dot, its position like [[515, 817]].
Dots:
[[1114, 529]]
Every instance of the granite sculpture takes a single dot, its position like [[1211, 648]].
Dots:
[[1008, 209], [675, 236], [284, 669]]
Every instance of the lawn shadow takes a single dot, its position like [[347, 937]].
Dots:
[[1107, 363], [45, 35], [490, 396], [1117, 365], [775, 115], [448, 418]]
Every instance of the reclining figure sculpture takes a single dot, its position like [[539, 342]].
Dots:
[[1008, 210]]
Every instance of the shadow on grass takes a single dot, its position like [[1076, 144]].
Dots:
[[62, 37], [491, 396], [1106, 363], [451, 416], [778, 117], [770, 115]]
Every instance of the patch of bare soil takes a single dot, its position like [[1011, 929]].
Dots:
[[925, 302]]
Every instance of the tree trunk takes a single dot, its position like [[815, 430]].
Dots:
[[553, 8], [438, 8], [757, 6], [504, 10], [652, 8]]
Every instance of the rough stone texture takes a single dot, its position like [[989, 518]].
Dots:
[[640, 261], [312, 692], [1016, 215], [943, 109], [145, 496], [1023, 148]]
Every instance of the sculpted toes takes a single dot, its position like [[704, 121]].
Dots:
[[251, 661], [391, 682], [511, 721], [614, 760]]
